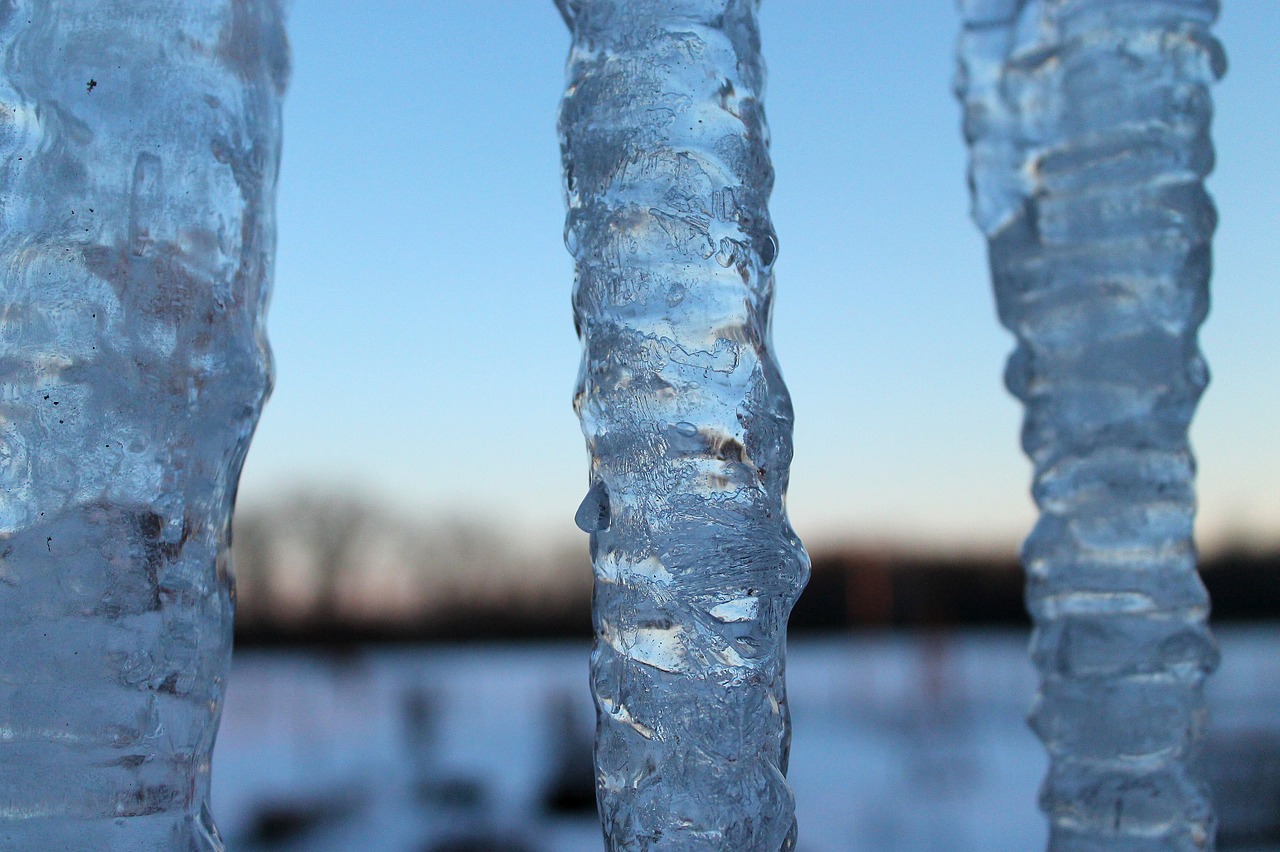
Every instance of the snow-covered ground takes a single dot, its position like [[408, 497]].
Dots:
[[902, 743]]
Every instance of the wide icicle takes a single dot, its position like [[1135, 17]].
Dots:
[[687, 421], [1088, 122], [139, 141]]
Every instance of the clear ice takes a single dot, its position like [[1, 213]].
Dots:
[[139, 141], [687, 421], [1088, 124]]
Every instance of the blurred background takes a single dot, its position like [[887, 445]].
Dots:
[[414, 600]]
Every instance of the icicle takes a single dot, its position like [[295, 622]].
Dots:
[[139, 141], [1088, 122], [688, 423]]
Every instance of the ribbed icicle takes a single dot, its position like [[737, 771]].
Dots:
[[139, 142], [687, 421], [1088, 122]]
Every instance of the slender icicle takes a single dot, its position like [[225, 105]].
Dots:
[[688, 423], [1088, 122], [139, 142]]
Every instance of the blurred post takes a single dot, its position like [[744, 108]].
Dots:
[[1088, 122], [687, 421], [140, 144]]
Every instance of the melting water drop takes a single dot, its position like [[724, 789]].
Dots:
[[768, 250], [593, 514]]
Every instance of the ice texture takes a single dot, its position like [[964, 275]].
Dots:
[[139, 142], [1088, 122], [687, 421]]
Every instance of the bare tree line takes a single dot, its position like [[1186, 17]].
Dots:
[[314, 561], [317, 558]]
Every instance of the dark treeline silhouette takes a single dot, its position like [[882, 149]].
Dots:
[[851, 589], [317, 570]]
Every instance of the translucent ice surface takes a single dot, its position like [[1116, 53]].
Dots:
[[1088, 123], [139, 142], [687, 421]]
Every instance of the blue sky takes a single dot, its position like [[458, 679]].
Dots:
[[421, 322]]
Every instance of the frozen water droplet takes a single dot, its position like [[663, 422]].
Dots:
[[684, 427], [593, 514], [768, 250], [1198, 372]]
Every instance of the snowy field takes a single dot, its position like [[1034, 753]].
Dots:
[[902, 743]]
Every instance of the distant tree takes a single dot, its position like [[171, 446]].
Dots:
[[327, 525], [252, 540]]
